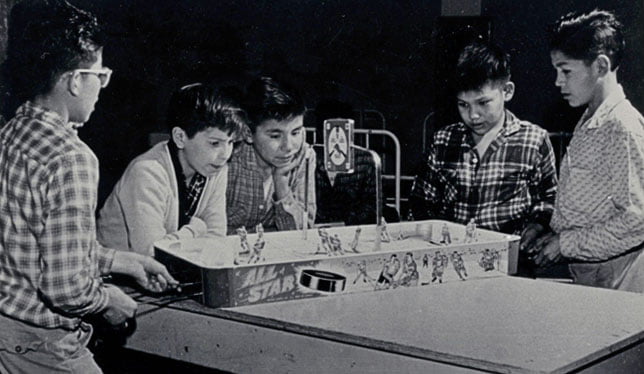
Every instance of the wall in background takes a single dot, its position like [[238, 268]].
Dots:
[[374, 54]]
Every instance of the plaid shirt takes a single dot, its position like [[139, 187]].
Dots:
[[512, 184], [352, 197], [245, 203], [50, 261]]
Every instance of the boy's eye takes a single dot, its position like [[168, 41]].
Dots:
[[484, 102], [214, 144], [462, 105], [296, 131]]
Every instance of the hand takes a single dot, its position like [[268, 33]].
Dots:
[[549, 250], [149, 273], [281, 175], [120, 306], [529, 236]]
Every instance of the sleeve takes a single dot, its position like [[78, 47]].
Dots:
[[68, 248], [624, 229], [214, 205], [543, 184], [424, 193], [144, 195], [289, 211]]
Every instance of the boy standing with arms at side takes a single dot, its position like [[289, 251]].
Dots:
[[177, 189], [50, 262], [266, 174], [598, 221], [492, 168]]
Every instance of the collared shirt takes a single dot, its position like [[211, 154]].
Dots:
[[351, 198], [599, 212], [50, 261], [245, 203], [512, 184], [188, 195]]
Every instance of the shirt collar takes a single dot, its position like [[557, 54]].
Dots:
[[42, 114], [511, 125], [609, 103]]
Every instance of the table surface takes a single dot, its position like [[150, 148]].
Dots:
[[497, 324]]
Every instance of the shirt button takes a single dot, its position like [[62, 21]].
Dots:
[[261, 206], [18, 349]]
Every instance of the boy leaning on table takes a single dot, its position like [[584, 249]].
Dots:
[[177, 189]]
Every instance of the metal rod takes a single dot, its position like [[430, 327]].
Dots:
[[378, 168]]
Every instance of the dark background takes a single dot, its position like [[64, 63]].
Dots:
[[382, 55]]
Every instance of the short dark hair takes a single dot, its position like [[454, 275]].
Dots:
[[584, 36], [480, 63], [266, 99], [46, 38], [197, 107]]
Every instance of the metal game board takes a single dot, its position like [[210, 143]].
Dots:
[[285, 265]]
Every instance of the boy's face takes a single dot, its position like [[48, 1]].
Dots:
[[278, 142], [484, 108], [207, 151], [88, 90], [576, 79]]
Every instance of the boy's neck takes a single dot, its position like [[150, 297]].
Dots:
[[54, 104], [604, 88]]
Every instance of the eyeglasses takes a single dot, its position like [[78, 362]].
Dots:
[[103, 74]]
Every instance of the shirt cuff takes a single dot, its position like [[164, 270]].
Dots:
[[105, 259], [567, 244]]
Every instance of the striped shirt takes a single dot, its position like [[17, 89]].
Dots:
[[50, 261], [245, 201], [512, 184]]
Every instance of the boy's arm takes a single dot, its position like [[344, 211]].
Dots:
[[143, 197], [213, 212], [543, 187], [624, 230], [290, 209], [69, 280]]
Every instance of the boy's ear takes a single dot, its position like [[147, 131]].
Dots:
[[246, 134], [73, 82], [179, 136], [602, 63], [508, 91]]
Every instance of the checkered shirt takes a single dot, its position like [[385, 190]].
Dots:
[[514, 183], [599, 212], [245, 203], [50, 261]]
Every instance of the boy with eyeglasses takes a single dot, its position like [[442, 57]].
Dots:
[[50, 262], [267, 172], [177, 189], [598, 221]]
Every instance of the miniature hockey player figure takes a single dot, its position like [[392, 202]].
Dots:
[[389, 270], [438, 263], [445, 234], [258, 246], [362, 273], [459, 265], [384, 234], [470, 232], [425, 260], [409, 275], [324, 242], [354, 243], [336, 245], [243, 241], [487, 260]]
